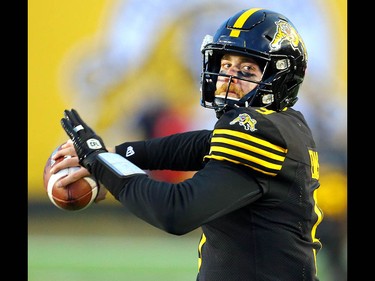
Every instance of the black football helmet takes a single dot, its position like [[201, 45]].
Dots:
[[273, 42]]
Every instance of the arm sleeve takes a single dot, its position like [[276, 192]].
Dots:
[[179, 152], [182, 207]]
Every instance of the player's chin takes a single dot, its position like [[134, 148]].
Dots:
[[231, 96]]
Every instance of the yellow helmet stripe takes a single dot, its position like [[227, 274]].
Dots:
[[241, 21]]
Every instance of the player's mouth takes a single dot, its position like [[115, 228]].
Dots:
[[231, 95]]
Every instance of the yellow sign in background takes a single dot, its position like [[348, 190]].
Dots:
[[55, 28]]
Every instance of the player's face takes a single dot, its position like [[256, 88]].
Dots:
[[239, 66]]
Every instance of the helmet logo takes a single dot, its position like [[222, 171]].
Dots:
[[285, 32], [245, 121]]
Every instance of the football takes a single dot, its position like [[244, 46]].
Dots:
[[76, 196]]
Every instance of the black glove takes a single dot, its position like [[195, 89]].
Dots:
[[86, 143]]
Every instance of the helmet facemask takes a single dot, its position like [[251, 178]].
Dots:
[[261, 96], [283, 60]]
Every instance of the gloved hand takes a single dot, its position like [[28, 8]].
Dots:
[[86, 142]]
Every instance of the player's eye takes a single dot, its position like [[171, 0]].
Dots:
[[225, 66], [246, 71]]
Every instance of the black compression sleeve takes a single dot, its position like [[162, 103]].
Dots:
[[135, 152], [179, 152]]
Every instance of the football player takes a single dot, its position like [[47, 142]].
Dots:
[[257, 171]]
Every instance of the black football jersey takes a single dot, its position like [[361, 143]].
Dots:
[[253, 194]]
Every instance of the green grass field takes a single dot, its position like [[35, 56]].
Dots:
[[80, 258], [104, 245]]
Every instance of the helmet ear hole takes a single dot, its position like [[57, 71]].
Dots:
[[282, 92]]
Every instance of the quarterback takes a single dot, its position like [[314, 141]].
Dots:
[[257, 171]]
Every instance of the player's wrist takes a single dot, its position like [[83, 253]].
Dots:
[[89, 160], [111, 149]]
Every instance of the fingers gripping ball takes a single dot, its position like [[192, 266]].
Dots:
[[76, 196], [86, 142]]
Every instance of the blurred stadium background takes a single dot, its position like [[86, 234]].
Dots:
[[108, 60]]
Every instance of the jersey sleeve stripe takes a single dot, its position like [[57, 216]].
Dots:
[[241, 148], [245, 159], [248, 147], [233, 160], [230, 134]]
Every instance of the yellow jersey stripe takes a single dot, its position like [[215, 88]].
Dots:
[[241, 148], [221, 158], [250, 138], [247, 157], [319, 213], [203, 240], [248, 148]]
